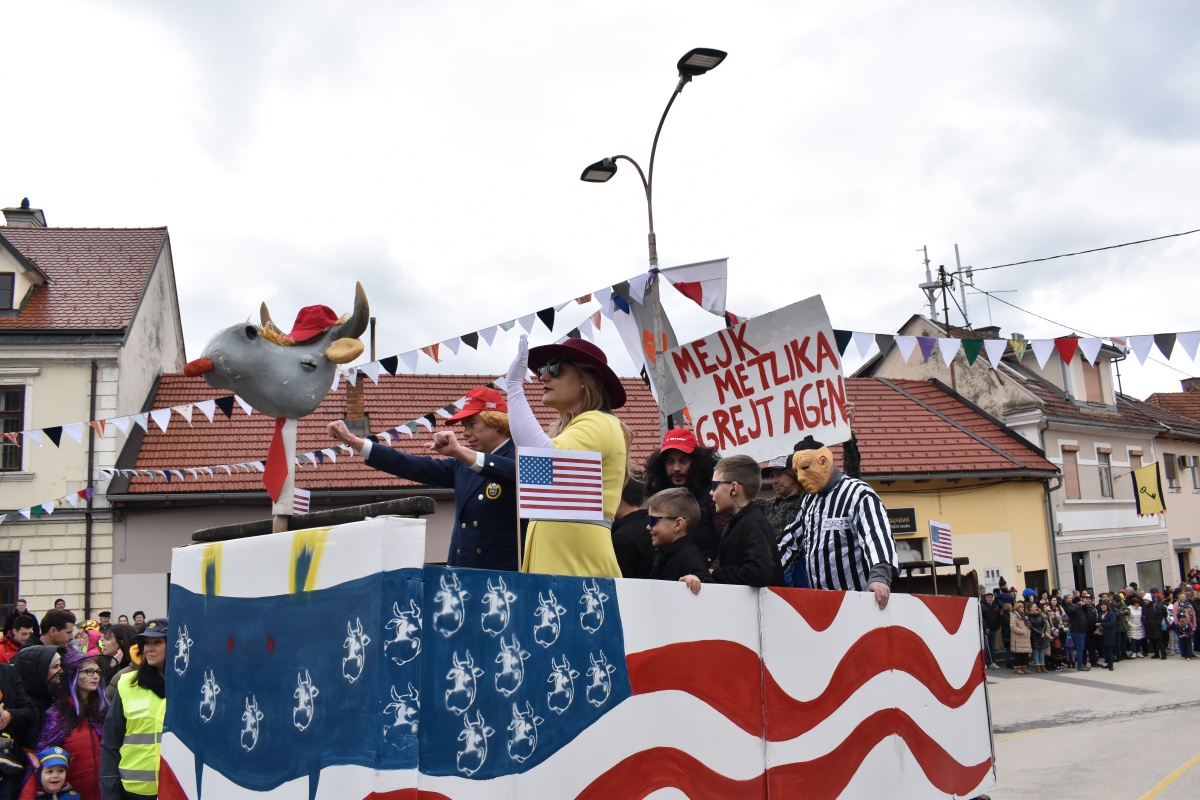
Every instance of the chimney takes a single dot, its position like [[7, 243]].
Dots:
[[25, 217], [357, 420], [1191, 384], [989, 332]]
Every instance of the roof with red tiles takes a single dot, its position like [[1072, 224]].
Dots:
[[903, 428], [395, 400], [1185, 404], [907, 427], [1177, 422], [97, 276], [1059, 407]]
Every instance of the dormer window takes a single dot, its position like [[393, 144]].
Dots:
[[7, 285]]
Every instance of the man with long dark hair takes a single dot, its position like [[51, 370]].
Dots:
[[682, 462]]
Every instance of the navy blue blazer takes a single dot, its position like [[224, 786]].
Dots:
[[485, 502]]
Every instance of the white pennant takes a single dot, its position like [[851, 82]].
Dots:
[[73, 499], [372, 370], [409, 360], [225, 467], [2, 518], [185, 412], [210, 472], [337, 380], [34, 436], [258, 465], [638, 286], [1141, 346], [161, 417], [142, 420], [604, 298], [122, 424], [863, 342], [948, 348], [586, 330], [178, 474], [1090, 349], [330, 454], [995, 350], [452, 344], [311, 457], [387, 437], [207, 408], [48, 508], [526, 322], [1042, 348], [245, 406], [25, 512], [488, 334], [75, 431], [905, 345], [561, 306], [424, 423], [195, 474], [1188, 342], [405, 430]]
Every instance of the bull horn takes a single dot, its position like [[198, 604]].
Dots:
[[264, 316], [357, 324]]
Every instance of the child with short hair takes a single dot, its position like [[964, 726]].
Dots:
[[748, 553], [673, 512], [51, 775]]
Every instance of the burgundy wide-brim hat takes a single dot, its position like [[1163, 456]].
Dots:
[[581, 351]]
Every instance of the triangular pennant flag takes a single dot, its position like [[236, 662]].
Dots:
[[184, 411], [587, 298], [620, 304], [122, 424], [405, 430], [337, 380], [596, 317], [1065, 345], [527, 322], [98, 427], [488, 334], [432, 352], [971, 349], [446, 411], [161, 474], [372, 370], [604, 298], [390, 364], [883, 341], [161, 417], [949, 348], [142, 420], [178, 474], [638, 287], [90, 492], [586, 331], [226, 405], [330, 454], [25, 512], [36, 511], [209, 407], [258, 465], [387, 437], [561, 306], [225, 467], [1042, 348], [905, 345], [546, 315], [352, 376], [245, 406], [54, 434], [1090, 349], [2, 518], [926, 343], [1165, 342], [195, 474], [843, 340], [1188, 342], [452, 345], [210, 472], [73, 500], [409, 360], [863, 342], [1018, 346], [424, 423], [509, 325], [75, 431], [574, 334], [34, 436], [318, 457], [49, 507], [1141, 347]]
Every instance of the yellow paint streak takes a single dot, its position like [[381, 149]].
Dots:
[[211, 558], [1174, 776], [311, 544], [1019, 735]]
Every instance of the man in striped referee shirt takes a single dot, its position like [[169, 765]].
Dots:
[[841, 529]]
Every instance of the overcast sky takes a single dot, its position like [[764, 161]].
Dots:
[[433, 151]]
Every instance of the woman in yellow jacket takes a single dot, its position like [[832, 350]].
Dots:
[[576, 382], [129, 749]]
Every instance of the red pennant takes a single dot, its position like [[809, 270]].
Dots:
[[275, 473], [432, 352], [1066, 348], [98, 426]]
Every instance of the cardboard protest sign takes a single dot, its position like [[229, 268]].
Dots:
[[760, 386]]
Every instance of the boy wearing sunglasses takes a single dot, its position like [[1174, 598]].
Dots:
[[673, 512]]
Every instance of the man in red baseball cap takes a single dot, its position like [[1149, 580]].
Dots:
[[682, 462], [482, 471]]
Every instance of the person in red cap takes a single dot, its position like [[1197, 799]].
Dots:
[[682, 462], [482, 472]]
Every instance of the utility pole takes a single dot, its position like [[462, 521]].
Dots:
[[946, 283], [962, 286], [929, 286]]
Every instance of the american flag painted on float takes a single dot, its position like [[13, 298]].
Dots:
[[479, 684]]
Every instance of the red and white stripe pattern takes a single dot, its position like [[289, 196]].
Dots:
[[941, 543], [560, 484], [301, 499]]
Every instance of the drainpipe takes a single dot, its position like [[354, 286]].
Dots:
[[1050, 527], [87, 520]]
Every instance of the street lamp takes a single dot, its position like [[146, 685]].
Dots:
[[695, 62]]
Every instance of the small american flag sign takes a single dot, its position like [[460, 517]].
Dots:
[[940, 543], [560, 484], [300, 500]]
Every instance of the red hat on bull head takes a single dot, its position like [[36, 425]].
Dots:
[[312, 321], [482, 398], [680, 439]]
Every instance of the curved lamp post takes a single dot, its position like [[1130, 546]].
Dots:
[[694, 62]]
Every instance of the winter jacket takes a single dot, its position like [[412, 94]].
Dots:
[[680, 557], [631, 543], [1153, 615], [1039, 630], [1082, 617], [32, 664], [83, 773], [1108, 627], [25, 716], [8, 649], [1019, 633], [991, 615], [1136, 629], [748, 552]]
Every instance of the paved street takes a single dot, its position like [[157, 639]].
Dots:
[[1130, 733]]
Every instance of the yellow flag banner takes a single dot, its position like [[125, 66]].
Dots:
[[1147, 490]]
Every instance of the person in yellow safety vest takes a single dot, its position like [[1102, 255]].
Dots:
[[129, 749]]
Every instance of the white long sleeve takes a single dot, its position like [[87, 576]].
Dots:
[[526, 430]]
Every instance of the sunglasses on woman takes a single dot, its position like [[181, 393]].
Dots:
[[552, 369]]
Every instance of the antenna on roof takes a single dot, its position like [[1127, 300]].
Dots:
[[929, 286]]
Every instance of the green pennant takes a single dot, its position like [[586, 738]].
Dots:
[[36, 511], [971, 348]]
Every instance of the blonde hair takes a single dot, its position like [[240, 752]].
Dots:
[[595, 398], [497, 420], [678, 502]]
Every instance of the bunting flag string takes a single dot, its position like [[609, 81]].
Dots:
[[46, 509]]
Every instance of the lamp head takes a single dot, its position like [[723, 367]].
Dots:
[[599, 172], [699, 61]]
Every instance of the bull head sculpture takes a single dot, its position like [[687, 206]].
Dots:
[[280, 375]]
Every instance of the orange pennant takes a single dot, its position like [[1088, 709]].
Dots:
[[432, 352], [648, 345], [596, 319], [98, 426], [587, 298]]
